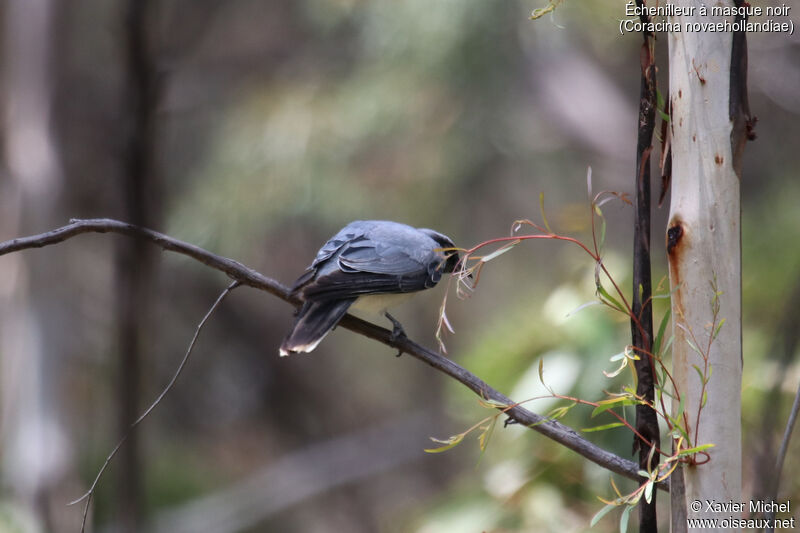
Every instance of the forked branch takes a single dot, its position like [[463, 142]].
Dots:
[[246, 276]]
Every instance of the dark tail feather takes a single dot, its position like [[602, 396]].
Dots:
[[314, 321]]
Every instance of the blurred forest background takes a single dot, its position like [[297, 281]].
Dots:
[[256, 129]]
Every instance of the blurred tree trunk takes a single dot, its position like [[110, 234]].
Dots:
[[31, 320], [709, 125], [135, 258], [641, 299]]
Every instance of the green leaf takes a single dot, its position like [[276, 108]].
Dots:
[[666, 393], [661, 106], [605, 405], [602, 231], [601, 513], [560, 412], [499, 252], [542, 11], [719, 327], [541, 371], [699, 373], [650, 456], [693, 347], [705, 398], [662, 328], [492, 404], [696, 449], [603, 427], [607, 298], [486, 434], [452, 442], [677, 429], [648, 491], [623, 520], [661, 377], [668, 345], [681, 407]]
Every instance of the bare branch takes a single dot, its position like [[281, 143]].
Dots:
[[232, 268], [90, 493], [787, 436], [552, 429]]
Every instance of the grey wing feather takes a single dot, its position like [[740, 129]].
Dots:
[[346, 235], [368, 257], [379, 259], [388, 248]]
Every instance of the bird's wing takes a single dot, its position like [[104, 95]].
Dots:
[[345, 236], [339, 285], [383, 258]]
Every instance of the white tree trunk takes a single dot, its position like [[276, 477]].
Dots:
[[705, 252]]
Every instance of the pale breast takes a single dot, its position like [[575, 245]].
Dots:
[[374, 305]]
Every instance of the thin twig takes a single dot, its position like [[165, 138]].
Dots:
[[90, 492], [787, 436], [785, 343], [556, 431]]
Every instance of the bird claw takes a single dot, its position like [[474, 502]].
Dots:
[[398, 333]]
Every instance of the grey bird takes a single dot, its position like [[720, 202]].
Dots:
[[368, 266]]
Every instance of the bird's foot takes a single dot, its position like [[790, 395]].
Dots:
[[398, 333], [509, 422]]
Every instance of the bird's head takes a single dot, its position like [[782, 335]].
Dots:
[[447, 245]]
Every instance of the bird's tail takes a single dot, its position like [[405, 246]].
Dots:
[[314, 321]]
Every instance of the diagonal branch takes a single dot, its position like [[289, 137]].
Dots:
[[87, 497], [554, 430]]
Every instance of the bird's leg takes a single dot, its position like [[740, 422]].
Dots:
[[397, 329], [298, 310]]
